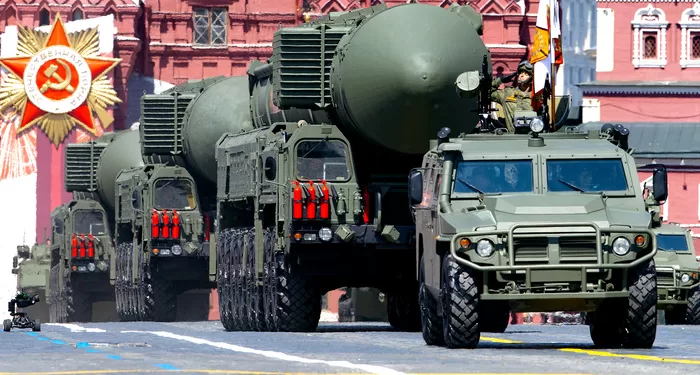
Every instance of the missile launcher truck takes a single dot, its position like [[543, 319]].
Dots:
[[83, 254], [32, 267], [534, 223], [311, 197]]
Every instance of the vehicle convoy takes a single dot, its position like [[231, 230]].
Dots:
[[82, 246], [303, 206], [534, 223], [677, 274], [32, 267]]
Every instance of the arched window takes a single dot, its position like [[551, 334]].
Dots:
[[44, 17], [649, 42], [690, 37], [77, 15]]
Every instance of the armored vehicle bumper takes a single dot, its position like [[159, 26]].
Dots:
[[369, 234], [179, 249], [89, 265], [671, 288], [570, 254]]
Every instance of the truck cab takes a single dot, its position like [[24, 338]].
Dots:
[[533, 223], [677, 274]]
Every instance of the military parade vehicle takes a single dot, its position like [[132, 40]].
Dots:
[[534, 223], [677, 275], [32, 267], [83, 254]]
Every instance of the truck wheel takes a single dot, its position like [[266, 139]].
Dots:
[[120, 284], [641, 307], [256, 310], [239, 281], [270, 286], [494, 316], [403, 310], [223, 279], [431, 324], [37, 326], [345, 314], [692, 314], [79, 302], [144, 310], [460, 306], [605, 324], [7, 325], [160, 294]]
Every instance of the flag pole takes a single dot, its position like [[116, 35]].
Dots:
[[553, 107]]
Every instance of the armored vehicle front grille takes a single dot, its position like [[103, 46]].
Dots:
[[302, 59], [81, 166], [664, 278], [161, 122], [530, 249], [573, 249]]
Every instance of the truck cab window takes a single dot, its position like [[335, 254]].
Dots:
[[588, 175], [494, 176], [322, 160], [174, 193], [671, 242], [89, 222]]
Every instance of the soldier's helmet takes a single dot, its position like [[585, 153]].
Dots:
[[525, 66]]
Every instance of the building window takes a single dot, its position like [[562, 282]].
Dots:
[[690, 37], [44, 17], [77, 15], [210, 26], [649, 44]]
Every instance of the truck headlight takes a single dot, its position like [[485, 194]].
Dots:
[[484, 248], [325, 234], [621, 246], [91, 266], [685, 278], [176, 250], [536, 125]]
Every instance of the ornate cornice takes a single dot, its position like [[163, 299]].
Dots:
[[590, 88]]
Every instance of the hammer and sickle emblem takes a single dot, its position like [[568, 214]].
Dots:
[[61, 83]]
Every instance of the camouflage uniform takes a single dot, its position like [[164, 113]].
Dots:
[[511, 98]]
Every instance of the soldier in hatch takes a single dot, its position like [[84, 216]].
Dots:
[[516, 97]]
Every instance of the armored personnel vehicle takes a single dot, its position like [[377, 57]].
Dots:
[[83, 254], [534, 223], [32, 267], [677, 275]]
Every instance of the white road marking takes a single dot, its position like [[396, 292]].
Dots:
[[379, 370], [75, 327]]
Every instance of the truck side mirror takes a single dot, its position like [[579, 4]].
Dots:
[[14, 261], [415, 187], [14, 271], [660, 184]]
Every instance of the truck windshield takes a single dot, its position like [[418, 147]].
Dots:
[[671, 242], [494, 176], [89, 222], [174, 193], [586, 175], [322, 160]]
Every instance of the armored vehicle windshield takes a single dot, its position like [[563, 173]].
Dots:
[[672, 242], [322, 160], [174, 193], [89, 221], [586, 175]]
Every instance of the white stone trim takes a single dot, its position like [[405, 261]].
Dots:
[[640, 90], [690, 24], [649, 19]]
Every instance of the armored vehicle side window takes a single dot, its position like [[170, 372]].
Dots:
[[58, 225], [322, 160], [671, 242], [89, 222], [586, 175], [494, 176], [174, 193]]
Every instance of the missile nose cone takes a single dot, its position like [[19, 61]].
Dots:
[[395, 75]]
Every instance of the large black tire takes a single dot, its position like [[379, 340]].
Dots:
[[223, 261], [604, 324], [7, 325], [692, 313], [37, 326], [641, 308], [270, 290], [121, 284], [494, 316], [160, 295], [79, 303], [345, 313], [431, 324], [460, 306], [403, 310], [298, 303], [256, 309], [240, 284]]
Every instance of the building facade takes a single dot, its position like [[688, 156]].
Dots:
[[648, 79]]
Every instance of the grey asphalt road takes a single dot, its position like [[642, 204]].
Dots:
[[204, 347]]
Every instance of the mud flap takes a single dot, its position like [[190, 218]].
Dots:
[[112, 258], [212, 257]]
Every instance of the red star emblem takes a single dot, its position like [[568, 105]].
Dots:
[[58, 81]]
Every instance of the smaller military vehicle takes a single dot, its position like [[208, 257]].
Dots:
[[677, 275], [534, 223], [21, 319], [363, 305], [32, 267]]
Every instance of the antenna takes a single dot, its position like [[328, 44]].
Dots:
[[45, 237], [24, 238]]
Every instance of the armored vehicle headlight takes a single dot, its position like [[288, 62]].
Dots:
[[621, 246], [176, 250], [536, 125], [91, 267], [685, 278], [484, 248], [325, 234]]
